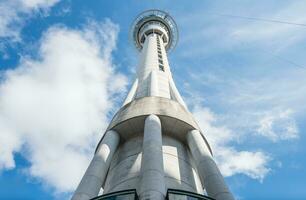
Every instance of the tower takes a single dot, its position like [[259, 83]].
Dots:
[[153, 147]]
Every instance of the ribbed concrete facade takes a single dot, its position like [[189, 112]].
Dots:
[[153, 142]]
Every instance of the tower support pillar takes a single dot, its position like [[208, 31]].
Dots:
[[95, 174], [131, 94], [207, 168], [152, 170]]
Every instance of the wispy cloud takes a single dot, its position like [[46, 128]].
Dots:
[[268, 33], [257, 105], [265, 107], [278, 126], [217, 32]]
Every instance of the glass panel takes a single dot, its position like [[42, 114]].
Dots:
[[161, 68], [185, 195], [181, 197], [121, 195]]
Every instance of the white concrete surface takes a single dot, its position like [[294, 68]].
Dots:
[[176, 93], [95, 174], [210, 175], [131, 93], [154, 84], [152, 183]]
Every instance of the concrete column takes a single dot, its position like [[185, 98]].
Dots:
[[210, 175], [176, 93], [95, 174], [154, 84], [131, 93], [152, 185]]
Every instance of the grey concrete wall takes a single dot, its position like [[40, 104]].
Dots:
[[124, 172], [95, 174], [154, 105], [179, 167], [210, 175]]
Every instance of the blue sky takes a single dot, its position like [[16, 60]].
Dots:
[[67, 65]]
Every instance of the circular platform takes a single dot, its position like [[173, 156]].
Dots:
[[159, 16]]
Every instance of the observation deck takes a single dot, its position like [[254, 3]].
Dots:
[[154, 21]]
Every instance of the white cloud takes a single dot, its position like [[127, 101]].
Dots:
[[14, 12], [230, 160], [34, 4], [53, 110], [278, 126], [252, 164]]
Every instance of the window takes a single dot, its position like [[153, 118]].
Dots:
[[160, 57], [161, 68]]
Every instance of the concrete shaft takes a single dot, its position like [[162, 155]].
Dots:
[[207, 168], [95, 174], [152, 170], [153, 73]]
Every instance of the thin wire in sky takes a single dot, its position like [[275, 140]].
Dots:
[[261, 19], [288, 61], [271, 21]]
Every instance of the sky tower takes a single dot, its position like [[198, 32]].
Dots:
[[153, 147]]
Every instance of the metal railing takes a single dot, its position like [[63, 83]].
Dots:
[[120, 195], [173, 194]]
